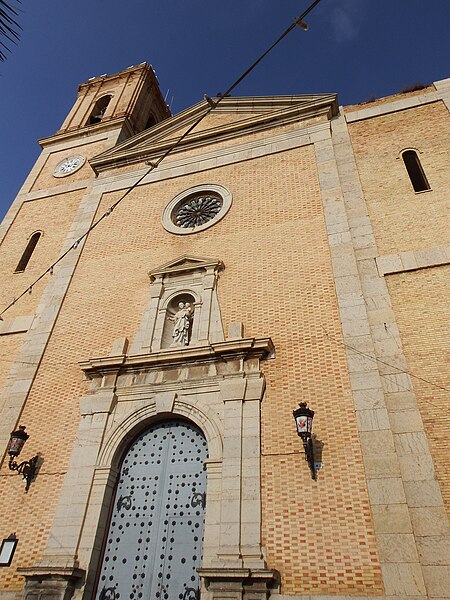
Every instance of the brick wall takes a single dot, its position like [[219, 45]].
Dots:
[[402, 219], [278, 281], [53, 216]]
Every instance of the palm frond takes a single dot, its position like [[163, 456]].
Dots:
[[9, 27]]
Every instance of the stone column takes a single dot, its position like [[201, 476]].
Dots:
[[232, 392]]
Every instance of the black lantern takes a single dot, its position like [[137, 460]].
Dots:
[[7, 550], [26, 468], [303, 420], [17, 441]]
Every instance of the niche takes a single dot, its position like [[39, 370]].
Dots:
[[179, 321]]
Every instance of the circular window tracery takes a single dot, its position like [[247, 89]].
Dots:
[[196, 209]]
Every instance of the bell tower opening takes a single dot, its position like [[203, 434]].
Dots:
[[99, 110], [129, 101]]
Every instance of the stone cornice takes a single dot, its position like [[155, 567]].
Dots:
[[52, 572], [395, 105], [260, 348], [163, 136], [87, 131], [144, 67]]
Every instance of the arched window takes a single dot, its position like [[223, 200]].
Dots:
[[98, 112], [32, 242], [415, 171], [154, 543]]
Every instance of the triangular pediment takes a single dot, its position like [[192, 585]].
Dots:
[[232, 117], [184, 264]]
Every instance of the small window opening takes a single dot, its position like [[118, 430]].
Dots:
[[99, 110], [23, 262], [151, 121], [415, 171]]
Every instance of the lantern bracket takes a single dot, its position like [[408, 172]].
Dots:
[[27, 468], [308, 446]]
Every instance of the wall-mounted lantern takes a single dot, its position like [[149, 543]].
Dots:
[[7, 550], [303, 420], [26, 468]]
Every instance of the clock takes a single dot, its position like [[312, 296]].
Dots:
[[69, 165]]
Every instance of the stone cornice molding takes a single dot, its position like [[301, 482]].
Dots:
[[46, 572], [152, 143], [260, 348], [144, 67], [88, 131], [112, 181], [394, 105]]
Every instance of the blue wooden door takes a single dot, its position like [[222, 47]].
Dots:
[[154, 542]]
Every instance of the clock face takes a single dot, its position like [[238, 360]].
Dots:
[[69, 165]]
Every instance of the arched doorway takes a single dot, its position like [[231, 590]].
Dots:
[[154, 543]]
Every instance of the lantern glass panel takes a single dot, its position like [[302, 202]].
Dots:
[[15, 446], [304, 424], [7, 550]]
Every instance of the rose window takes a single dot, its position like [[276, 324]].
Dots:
[[197, 210]]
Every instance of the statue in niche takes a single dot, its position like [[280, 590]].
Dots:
[[182, 326]]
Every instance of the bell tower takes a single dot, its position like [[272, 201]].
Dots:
[[130, 100], [108, 110]]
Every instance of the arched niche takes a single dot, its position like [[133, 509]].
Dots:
[[186, 278], [179, 321]]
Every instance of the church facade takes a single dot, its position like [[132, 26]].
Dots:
[[286, 251]]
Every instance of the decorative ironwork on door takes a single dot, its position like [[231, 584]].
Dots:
[[155, 537]]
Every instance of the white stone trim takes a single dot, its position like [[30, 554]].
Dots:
[[223, 192], [369, 112], [27, 360], [400, 476], [205, 161], [15, 325], [443, 91], [128, 394], [413, 260], [141, 418]]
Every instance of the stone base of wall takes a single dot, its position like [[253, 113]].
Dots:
[[53, 583], [236, 584]]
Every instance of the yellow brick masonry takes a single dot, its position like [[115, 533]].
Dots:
[[402, 219], [52, 216], [278, 281]]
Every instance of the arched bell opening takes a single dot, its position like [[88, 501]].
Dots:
[[179, 321], [98, 112], [154, 538]]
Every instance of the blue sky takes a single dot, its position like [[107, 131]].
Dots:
[[356, 48]]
